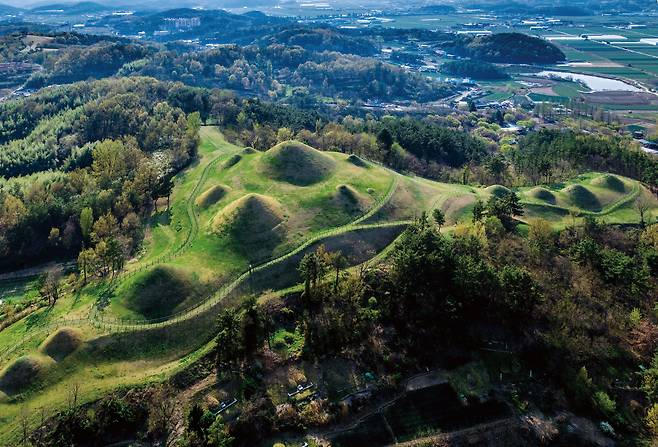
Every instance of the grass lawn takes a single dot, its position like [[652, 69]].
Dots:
[[13, 290]]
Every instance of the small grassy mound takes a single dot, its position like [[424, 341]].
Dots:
[[252, 219], [211, 196], [611, 182], [297, 163], [249, 151], [234, 160], [158, 292], [24, 372], [62, 343], [349, 198], [497, 190], [542, 194], [582, 197], [357, 161]]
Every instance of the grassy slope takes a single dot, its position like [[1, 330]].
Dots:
[[311, 210], [98, 375]]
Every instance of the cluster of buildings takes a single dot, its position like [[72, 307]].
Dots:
[[181, 23]]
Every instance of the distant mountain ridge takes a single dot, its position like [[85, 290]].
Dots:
[[8, 9], [73, 8], [213, 25]]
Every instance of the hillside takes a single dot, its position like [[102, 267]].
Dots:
[[7, 9], [508, 48], [320, 39], [71, 8], [213, 25], [240, 221]]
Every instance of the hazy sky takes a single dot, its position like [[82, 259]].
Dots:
[[31, 3]]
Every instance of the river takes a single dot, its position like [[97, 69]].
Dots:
[[594, 83]]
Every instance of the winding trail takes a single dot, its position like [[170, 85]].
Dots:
[[109, 325], [207, 304], [192, 217]]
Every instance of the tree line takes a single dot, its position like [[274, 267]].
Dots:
[[110, 159]]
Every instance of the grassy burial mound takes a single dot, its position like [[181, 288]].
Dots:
[[211, 196], [357, 161], [611, 182], [497, 190], [297, 163], [62, 343], [234, 160], [542, 194], [161, 291], [581, 197], [22, 373], [350, 200], [257, 222]]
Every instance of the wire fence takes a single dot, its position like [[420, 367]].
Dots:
[[191, 234], [104, 323], [230, 287]]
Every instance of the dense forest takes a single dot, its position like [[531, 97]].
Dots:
[[111, 149], [316, 61], [511, 48], [320, 39], [474, 69], [268, 70], [77, 64]]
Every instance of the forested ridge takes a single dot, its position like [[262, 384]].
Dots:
[[116, 143], [511, 48], [267, 70], [543, 155]]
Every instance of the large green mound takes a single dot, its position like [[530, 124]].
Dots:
[[497, 190], [211, 196], [24, 372], [542, 194], [251, 219], [611, 182], [297, 163], [62, 343], [157, 292], [582, 197]]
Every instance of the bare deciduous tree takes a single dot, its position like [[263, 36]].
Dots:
[[163, 415], [643, 205], [51, 286]]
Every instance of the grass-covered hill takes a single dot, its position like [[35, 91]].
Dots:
[[239, 223]]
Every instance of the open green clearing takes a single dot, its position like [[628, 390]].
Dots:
[[18, 288], [232, 208]]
